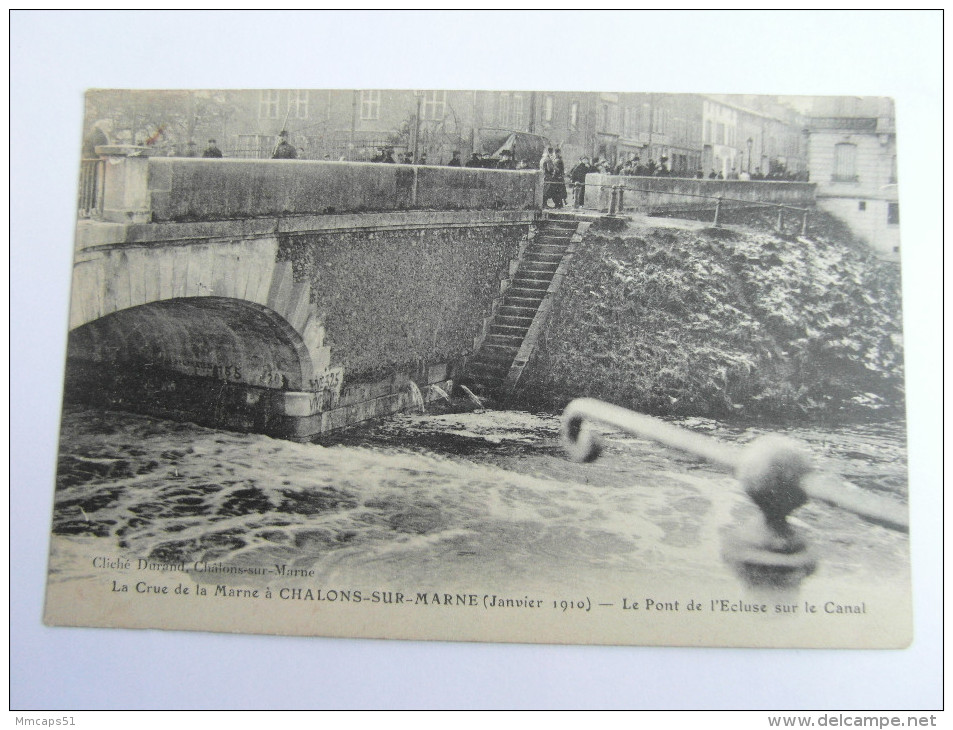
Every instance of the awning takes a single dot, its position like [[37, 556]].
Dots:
[[524, 145]]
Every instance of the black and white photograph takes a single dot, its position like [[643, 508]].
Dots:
[[554, 366], [603, 362]]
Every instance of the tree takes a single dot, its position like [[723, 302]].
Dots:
[[164, 117]]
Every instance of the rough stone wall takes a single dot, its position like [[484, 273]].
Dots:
[[398, 299], [196, 190], [677, 192]]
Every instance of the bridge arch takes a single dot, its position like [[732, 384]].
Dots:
[[225, 339]]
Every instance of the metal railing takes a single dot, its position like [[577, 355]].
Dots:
[[775, 472], [617, 203], [91, 182]]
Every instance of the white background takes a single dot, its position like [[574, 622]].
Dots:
[[55, 56]]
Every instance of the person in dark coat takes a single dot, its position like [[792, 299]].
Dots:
[[212, 150], [559, 179], [455, 160], [285, 150], [506, 161], [578, 178], [475, 160], [548, 168]]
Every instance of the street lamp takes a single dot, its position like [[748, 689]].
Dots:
[[750, 142]]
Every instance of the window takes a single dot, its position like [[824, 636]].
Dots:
[[268, 104], [259, 146], [517, 110], [511, 110], [370, 104], [574, 115], [893, 213], [627, 122], [298, 104], [708, 131], [893, 170], [605, 118], [862, 205], [845, 162], [435, 105], [548, 109], [720, 133]]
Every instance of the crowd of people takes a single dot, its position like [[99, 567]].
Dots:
[[551, 164]]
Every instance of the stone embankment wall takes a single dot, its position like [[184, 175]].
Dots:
[[721, 322], [394, 299]]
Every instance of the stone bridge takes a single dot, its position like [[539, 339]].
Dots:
[[287, 297]]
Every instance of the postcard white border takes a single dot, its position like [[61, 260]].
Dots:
[[56, 55]]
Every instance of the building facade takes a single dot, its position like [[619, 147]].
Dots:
[[691, 132], [852, 152]]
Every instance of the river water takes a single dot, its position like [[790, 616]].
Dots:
[[440, 499]]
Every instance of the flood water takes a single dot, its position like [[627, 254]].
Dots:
[[442, 499]]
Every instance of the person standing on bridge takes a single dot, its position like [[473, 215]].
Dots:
[[559, 179], [455, 160], [548, 168], [284, 150], [578, 178], [212, 150]]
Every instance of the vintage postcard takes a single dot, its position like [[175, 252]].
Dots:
[[486, 365]]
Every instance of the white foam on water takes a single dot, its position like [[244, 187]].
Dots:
[[514, 510]]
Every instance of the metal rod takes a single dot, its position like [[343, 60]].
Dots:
[[584, 446]]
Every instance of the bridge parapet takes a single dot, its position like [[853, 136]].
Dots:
[[139, 188], [675, 193]]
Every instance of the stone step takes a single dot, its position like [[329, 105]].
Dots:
[[537, 249], [531, 282], [524, 272], [546, 274], [510, 311], [544, 258], [509, 330], [529, 306], [493, 356], [504, 341], [529, 289], [497, 346], [506, 320], [536, 266]]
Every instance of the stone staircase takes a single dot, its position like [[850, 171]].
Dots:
[[496, 367]]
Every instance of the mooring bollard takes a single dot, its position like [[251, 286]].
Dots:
[[717, 211], [776, 473], [804, 224], [778, 226], [615, 200]]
